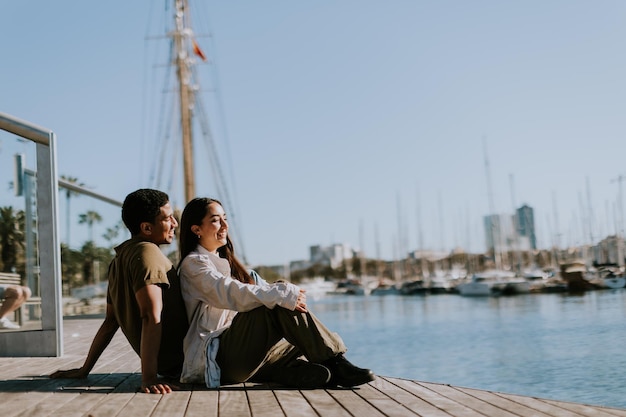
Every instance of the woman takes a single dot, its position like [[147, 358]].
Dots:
[[241, 327]]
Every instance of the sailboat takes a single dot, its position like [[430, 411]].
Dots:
[[494, 282], [498, 280]]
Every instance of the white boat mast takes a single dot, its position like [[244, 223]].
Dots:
[[496, 252], [620, 227]]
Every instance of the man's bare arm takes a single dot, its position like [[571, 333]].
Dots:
[[150, 303], [100, 342]]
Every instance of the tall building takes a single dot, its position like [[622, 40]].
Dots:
[[525, 222], [498, 232]]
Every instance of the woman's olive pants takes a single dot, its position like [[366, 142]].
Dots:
[[262, 339]]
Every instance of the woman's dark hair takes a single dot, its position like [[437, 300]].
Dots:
[[141, 206], [192, 215]]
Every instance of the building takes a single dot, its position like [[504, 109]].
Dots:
[[333, 255], [525, 224], [499, 232], [511, 233], [609, 251]]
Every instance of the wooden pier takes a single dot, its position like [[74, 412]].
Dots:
[[25, 390]]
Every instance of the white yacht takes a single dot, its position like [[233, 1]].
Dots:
[[493, 282]]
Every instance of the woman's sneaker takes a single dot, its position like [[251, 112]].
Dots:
[[302, 375], [346, 374], [8, 324]]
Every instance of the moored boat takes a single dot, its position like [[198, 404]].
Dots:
[[610, 278], [349, 287], [384, 287], [494, 282]]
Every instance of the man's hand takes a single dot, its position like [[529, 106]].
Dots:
[[100, 341], [78, 373], [157, 387]]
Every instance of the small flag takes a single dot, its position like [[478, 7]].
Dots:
[[197, 50]]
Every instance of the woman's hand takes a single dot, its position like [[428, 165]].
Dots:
[[301, 302]]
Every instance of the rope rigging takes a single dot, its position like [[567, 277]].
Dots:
[[167, 140]]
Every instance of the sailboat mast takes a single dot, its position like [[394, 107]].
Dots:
[[185, 97], [494, 236]]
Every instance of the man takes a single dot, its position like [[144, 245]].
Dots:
[[143, 296], [14, 296]]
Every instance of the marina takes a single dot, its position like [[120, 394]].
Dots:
[[492, 342], [489, 282]]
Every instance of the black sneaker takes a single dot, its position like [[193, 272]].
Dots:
[[303, 375], [345, 374]]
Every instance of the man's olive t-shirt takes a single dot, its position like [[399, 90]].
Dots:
[[137, 264]]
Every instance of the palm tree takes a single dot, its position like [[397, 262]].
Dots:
[[11, 237], [68, 194], [113, 232], [90, 218], [71, 267]]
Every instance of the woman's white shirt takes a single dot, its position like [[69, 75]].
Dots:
[[212, 299]]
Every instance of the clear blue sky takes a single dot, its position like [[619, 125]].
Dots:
[[343, 120]]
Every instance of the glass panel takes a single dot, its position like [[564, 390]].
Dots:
[[90, 228], [19, 259]]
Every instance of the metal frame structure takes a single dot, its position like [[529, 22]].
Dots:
[[47, 341]]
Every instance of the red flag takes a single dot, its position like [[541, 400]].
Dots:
[[197, 50]]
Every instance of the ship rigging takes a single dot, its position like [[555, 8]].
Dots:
[[184, 138]]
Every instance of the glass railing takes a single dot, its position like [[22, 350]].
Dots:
[[89, 228], [19, 248]]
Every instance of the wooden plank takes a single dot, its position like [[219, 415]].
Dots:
[[437, 400], [171, 405], [325, 404], [407, 399], [387, 404], [582, 409], [614, 411], [552, 408], [475, 403], [504, 403], [111, 405], [233, 402], [78, 404], [355, 404], [53, 405], [294, 404], [263, 402], [139, 405], [203, 404], [26, 406]]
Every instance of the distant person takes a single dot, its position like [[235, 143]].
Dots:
[[143, 296], [14, 296], [244, 329]]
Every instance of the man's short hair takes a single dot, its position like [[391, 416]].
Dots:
[[143, 205]]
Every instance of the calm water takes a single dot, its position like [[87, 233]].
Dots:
[[554, 346]]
